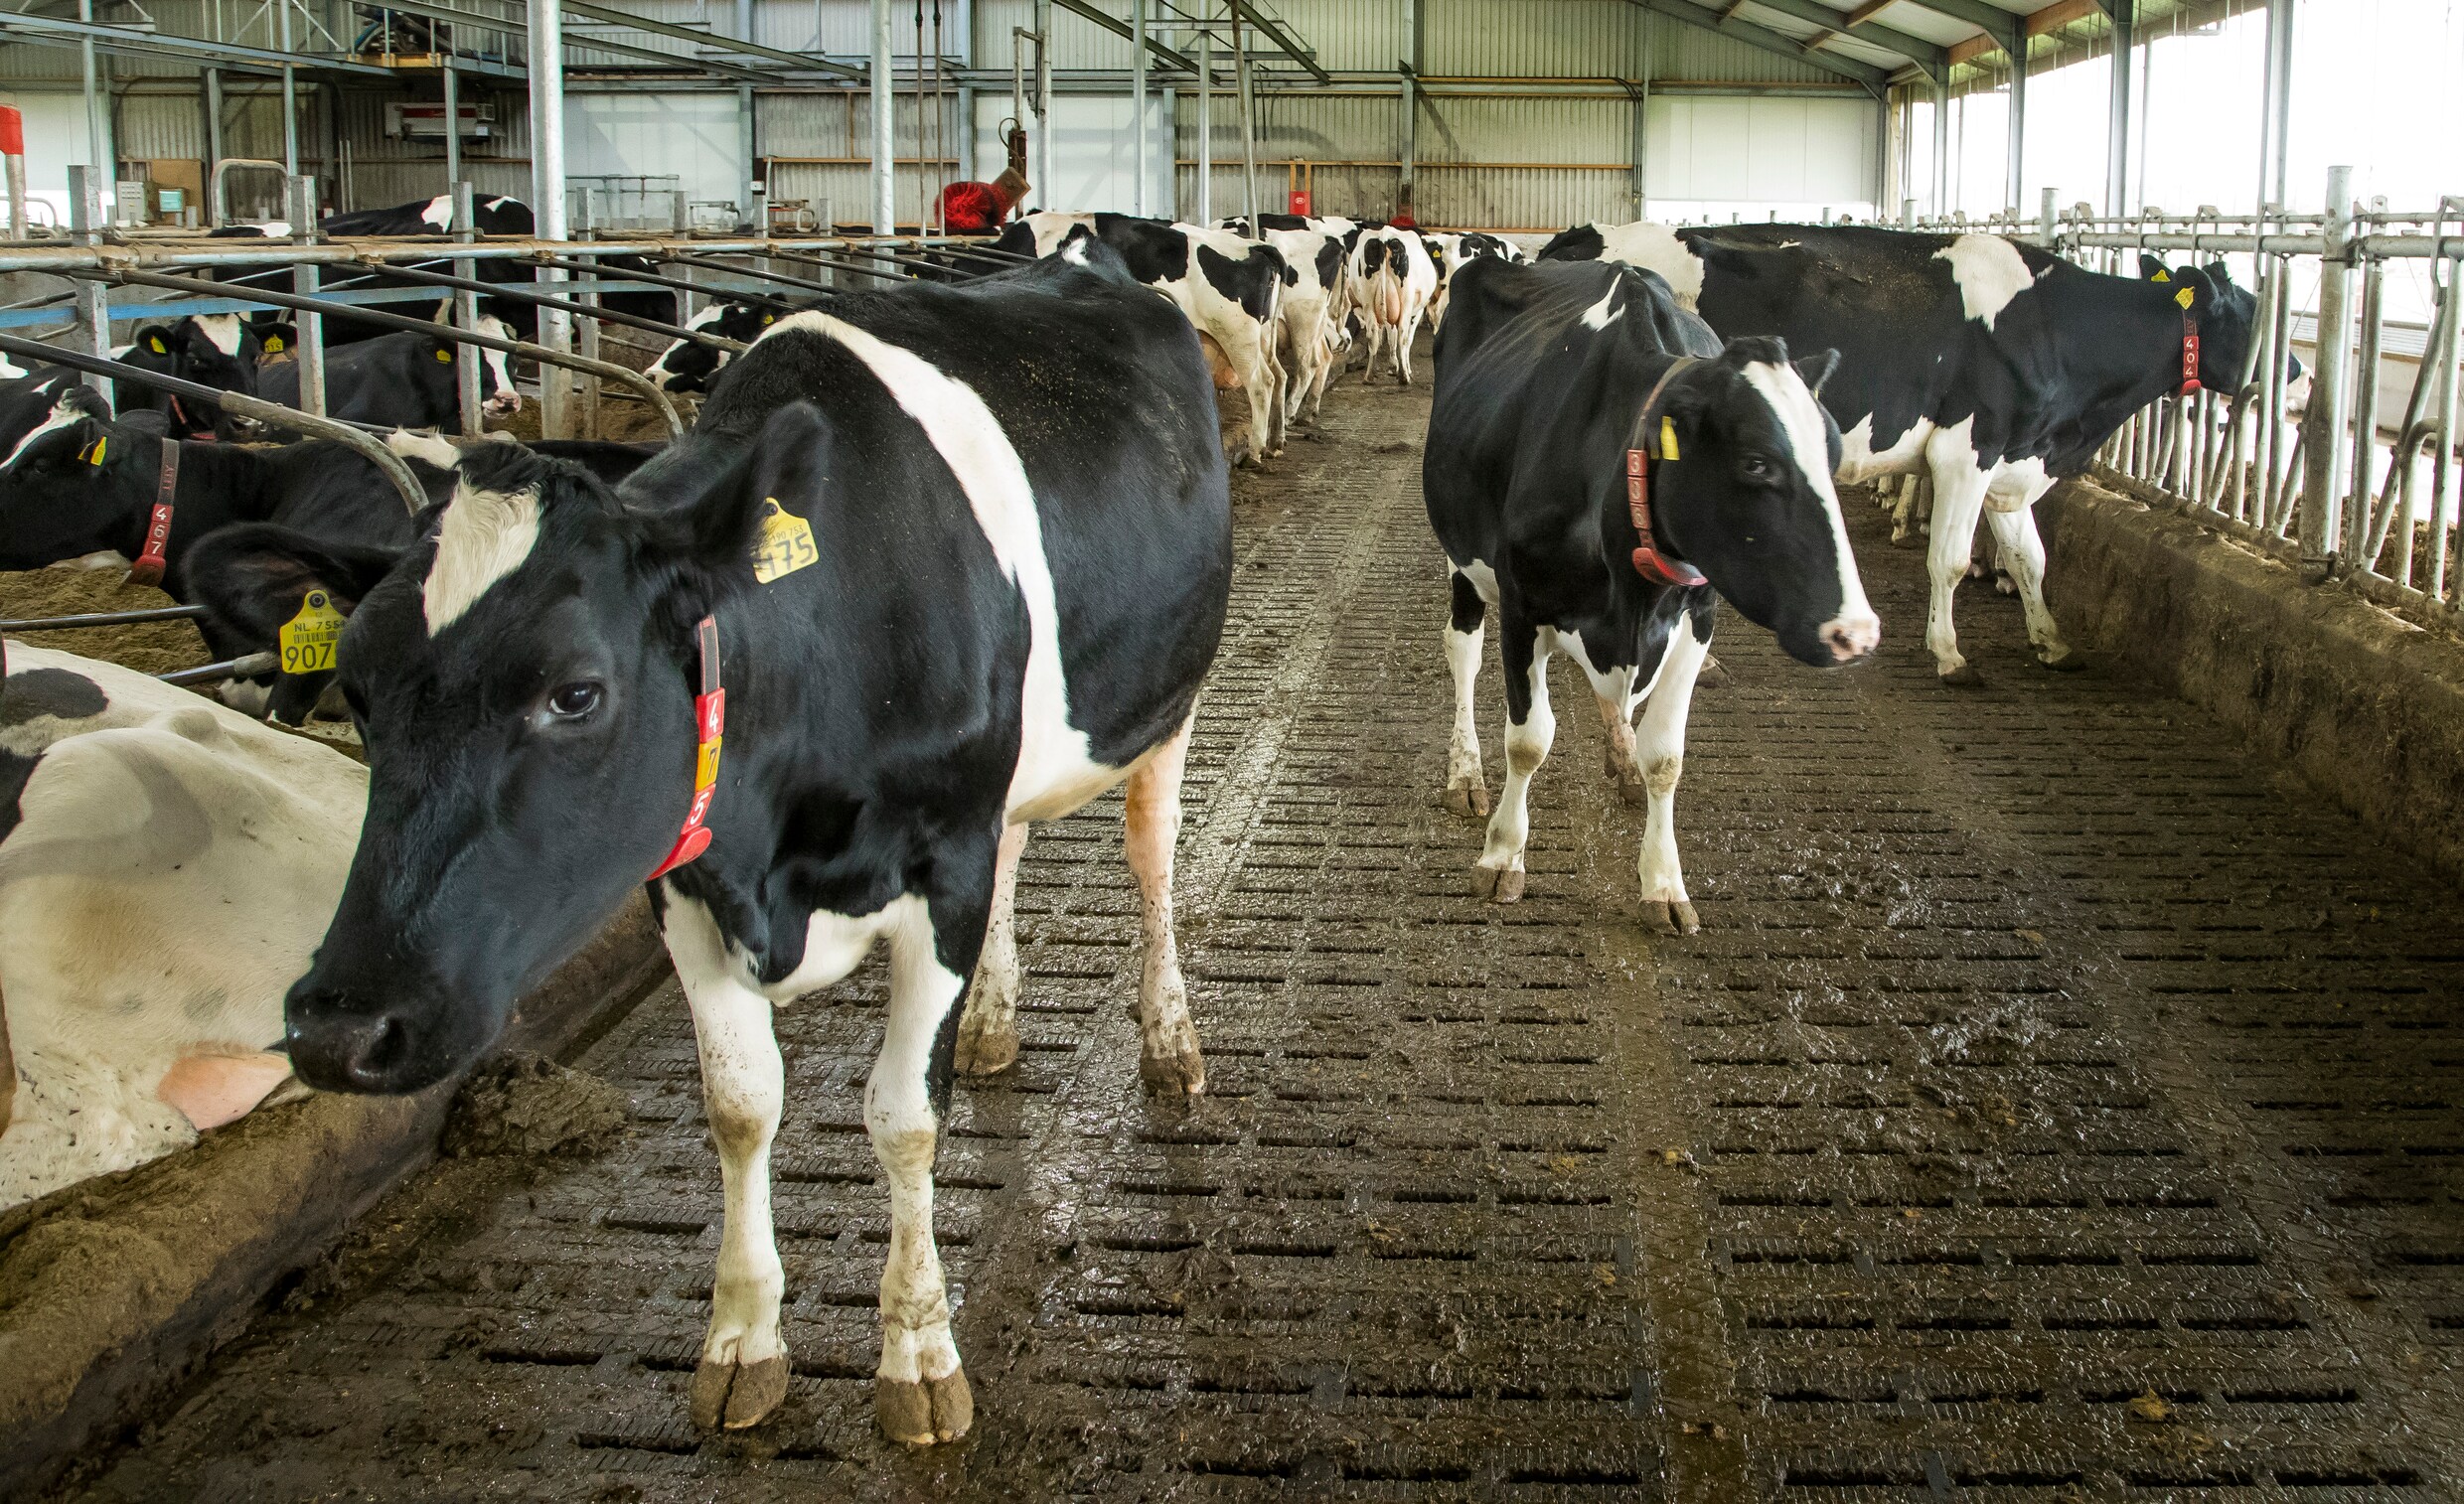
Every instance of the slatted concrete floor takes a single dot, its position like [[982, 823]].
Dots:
[[2053, 1108]]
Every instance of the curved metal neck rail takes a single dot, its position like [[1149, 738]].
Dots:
[[271, 414], [65, 260]]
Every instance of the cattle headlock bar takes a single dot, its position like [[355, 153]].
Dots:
[[2050, 1109]]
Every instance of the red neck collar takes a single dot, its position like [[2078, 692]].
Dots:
[[1642, 448], [150, 562], [2190, 352], [709, 723]]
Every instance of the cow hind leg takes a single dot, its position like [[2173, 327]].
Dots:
[[1466, 628], [987, 1032], [1531, 729], [920, 1394], [742, 1375], [1167, 1056], [2022, 550], [1618, 758], [1958, 497], [1659, 748]]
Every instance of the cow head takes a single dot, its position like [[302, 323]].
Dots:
[[690, 364], [1748, 498], [2227, 317], [499, 397], [219, 351], [75, 484], [522, 679]]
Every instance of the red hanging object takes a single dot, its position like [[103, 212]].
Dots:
[[2190, 352], [709, 723], [151, 562]]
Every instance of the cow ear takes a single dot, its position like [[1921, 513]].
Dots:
[[154, 339], [705, 546], [277, 339], [1817, 369], [2152, 269], [252, 576], [2220, 275]]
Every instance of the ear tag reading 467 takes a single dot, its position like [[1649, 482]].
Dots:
[[308, 639], [786, 544]]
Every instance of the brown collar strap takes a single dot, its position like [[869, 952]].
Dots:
[[1651, 560], [149, 565]]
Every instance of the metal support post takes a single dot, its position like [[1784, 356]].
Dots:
[[2365, 413], [2443, 407], [311, 351], [1046, 186], [93, 314], [555, 327], [1206, 118], [1407, 146], [466, 358], [99, 150], [214, 137], [290, 96], [1942, 145], [1249, 122], [2323, 433], [453, 133], [884, 143], [2017, 138], [1138, 105], [2117, 114], [1642, 123], [2275, 109], [586, 335]]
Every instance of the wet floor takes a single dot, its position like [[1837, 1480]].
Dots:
[[2055, 1107]]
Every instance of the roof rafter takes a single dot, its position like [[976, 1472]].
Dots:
[[1872, 78], [1928, 55], [1120, 29]]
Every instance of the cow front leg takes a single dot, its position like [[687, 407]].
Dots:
[[987, 1031], [2023, 555], [1168, 1042], [1660, 749], [1466, 628], [742, 1375], [1958, 495], [1531, 729], [919, 1391]]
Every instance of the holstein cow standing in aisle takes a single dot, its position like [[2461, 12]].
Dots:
[[1599, 464], [1995, 366], [1392, 280], [1456, 251], [1227, 287], [403, 380], [167, 868], [1306, 316], [935, 578]]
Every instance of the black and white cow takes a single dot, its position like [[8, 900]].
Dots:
[[403, 381], [1393, 278], [221, 351], [993, 587], [1556, 385], [1451, 252], [1308, 318], [1996, 368], [1226, 286], [691, 366]]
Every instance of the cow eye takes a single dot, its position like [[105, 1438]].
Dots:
[[575, 701], [1755, 466]]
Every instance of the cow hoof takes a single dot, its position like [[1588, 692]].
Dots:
[[921, 1413], [1713, 675], [736, 1395], [984, 1050], [1671, 915], [1181, 1074], [1498, 884], [1964, 676], [1630, 785], [2065, 662], [1470, 802], [1900, 537]]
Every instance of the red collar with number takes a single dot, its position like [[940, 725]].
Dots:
[[709, 722], [1651, 560], [148, 569], [2190, 352]]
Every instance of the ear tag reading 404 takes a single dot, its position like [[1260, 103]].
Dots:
[[308, 639], [785, 545]]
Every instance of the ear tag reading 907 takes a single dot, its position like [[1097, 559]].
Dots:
[[785, 545], [308, 639]]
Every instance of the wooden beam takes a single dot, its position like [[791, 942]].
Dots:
[[1973, 48], [2060, 14], [1817, 39], [1729, 11], [1869, 9]]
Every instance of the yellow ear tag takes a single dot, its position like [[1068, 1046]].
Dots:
[[769, 318], [93, 454], [786, 544], [2161, 276], [1668, 437], [2183, 297], [273, 344], [308, 639], [154, 342], [444, 357]]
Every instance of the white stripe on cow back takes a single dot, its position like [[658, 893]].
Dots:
[[1055, 772], [1990, 272], [1800, 418], [485, 536], [1600, 314]]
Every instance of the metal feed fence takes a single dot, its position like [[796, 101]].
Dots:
[[2360, 485]]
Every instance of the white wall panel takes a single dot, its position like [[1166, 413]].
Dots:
[[695, 137]]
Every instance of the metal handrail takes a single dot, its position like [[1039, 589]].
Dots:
[[715, 294], [103, 618], [271, 414], [520, 294], [630, 379]]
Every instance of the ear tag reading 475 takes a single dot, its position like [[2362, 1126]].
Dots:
[[308, 639], [786, 544]]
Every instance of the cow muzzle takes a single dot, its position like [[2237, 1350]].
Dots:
[[501, 405], [341, 1043], [1851, 636]]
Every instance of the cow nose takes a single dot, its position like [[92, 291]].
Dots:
[[1851, 636], [338, 1046]]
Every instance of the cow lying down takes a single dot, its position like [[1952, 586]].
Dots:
[[916, 578], [167, 866]]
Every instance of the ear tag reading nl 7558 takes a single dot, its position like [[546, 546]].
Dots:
[[308, 639], [786, 544]]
